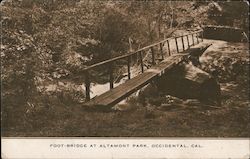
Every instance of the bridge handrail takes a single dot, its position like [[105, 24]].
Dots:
[[135, 52], [111, 78]]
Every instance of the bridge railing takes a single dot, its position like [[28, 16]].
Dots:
[[194, 37]]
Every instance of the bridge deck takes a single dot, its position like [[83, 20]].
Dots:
[[122, 91]]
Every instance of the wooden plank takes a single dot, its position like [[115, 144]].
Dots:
[[124, 90]]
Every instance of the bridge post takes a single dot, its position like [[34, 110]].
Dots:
[[183, 46], [193, 39], [197, 38], [153, 55], [161, 49], [141, 61], [111, 77], [169, 53], [128, 63], [176, 43], [188, 42], [87, 86]]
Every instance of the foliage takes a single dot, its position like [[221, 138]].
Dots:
[[45, 42]]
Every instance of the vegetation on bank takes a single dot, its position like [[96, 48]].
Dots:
[[48, 42]]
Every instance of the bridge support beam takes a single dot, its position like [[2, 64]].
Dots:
[[176, 43], [183, 46], [128, 64], [188, 42], [87, 86], [153, 55], [141, 61], [161, 50], [111, 76], [193, 39], [169, 52], [197, 37]]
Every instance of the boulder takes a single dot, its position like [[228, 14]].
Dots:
[[189, 82]]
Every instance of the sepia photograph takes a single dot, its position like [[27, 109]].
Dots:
[[136, 68]]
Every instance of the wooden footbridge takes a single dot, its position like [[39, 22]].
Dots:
[[169, 58]]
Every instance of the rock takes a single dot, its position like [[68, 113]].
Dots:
[[167, 107], [122, 107], [192, 102], [150, 94], [189, 82], [171, 100]]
